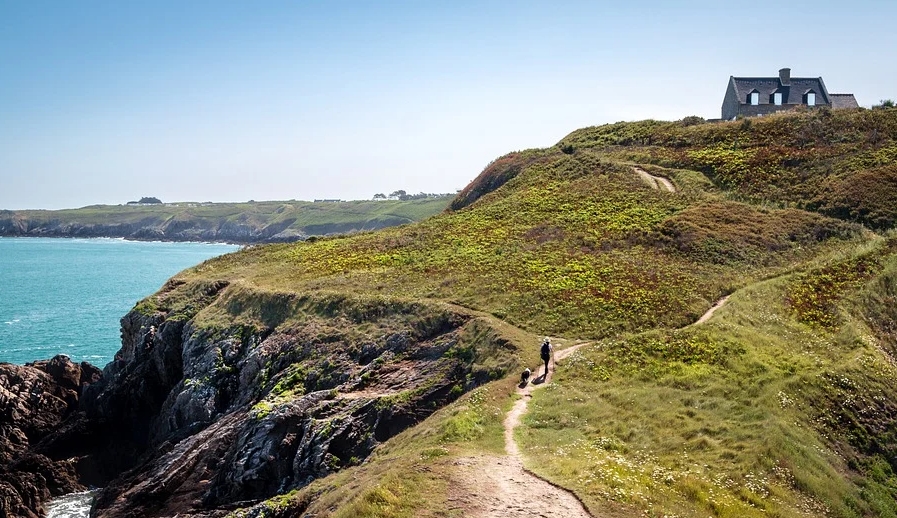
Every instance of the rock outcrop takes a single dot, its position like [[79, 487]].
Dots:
[[34, 400], [185, 228], [195, 419]]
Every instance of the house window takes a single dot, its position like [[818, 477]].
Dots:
[[811, 99], [777, 98], [754, 98]]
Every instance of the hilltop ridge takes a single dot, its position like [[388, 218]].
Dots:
[[352, 375]]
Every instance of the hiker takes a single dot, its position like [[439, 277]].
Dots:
[[546, 351]]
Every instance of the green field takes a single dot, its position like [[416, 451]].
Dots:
[[783, 404]]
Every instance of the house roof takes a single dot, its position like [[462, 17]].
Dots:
[[844, 101], [791, 94]]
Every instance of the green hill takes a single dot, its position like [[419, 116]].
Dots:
[[782, 404], [249, 222]]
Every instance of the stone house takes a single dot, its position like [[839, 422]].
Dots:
[[756, 96]]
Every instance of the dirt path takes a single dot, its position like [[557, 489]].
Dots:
[[657, 182], [500, 487], [718, 304], [497, 487]]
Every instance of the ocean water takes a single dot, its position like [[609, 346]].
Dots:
[[72, 505], [67, 296]]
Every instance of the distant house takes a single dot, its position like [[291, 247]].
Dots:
[[146, 200], [755, 96]]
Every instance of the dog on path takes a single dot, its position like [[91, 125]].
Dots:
[[524, 378]]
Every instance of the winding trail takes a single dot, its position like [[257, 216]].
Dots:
[[656, 182], [500, 487], [706, 316]]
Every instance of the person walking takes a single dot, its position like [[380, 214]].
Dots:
[[546, 351]]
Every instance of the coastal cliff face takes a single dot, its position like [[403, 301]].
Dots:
[[244, 223], [34, 400], [196, 418], [175, 230]]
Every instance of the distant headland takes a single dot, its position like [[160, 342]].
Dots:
[[241, 223]]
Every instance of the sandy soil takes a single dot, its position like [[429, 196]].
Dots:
[[496, 487], [657, 182], [706, 316]]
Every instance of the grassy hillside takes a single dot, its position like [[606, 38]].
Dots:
[[839, 163], [240, 222], [783, 404]]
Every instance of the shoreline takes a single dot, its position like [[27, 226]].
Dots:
[[140, 240]]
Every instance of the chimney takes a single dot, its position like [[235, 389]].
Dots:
[[785, 76]]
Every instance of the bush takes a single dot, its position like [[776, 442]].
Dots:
[[730, 233], [692, 120], [866, 197]]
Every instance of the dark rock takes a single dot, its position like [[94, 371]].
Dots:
[[89, 374], [201, 420], [64, 372], [34, 401], [195, 421], [122, 406], [21, 495]]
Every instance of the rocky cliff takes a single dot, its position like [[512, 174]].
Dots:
[[198, 415], [191, 230], [244, 223], [34, 400]]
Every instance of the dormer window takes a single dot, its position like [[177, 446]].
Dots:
[[754, 98], [777, 98], [810, 98]]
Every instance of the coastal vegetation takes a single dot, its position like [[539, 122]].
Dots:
[[244, 223], [782, 404]]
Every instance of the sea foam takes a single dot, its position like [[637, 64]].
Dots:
[[72, 505]]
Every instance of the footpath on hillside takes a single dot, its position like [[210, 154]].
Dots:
[[656, 182], [706, 316], [500, 487], [497, 487]]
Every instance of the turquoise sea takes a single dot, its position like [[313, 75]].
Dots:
[[67, 296]]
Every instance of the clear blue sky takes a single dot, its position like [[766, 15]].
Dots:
[[108, 101]]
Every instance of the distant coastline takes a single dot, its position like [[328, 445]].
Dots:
[[121, 238], [232, 223]]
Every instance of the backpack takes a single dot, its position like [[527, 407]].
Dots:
[[546, 350]]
